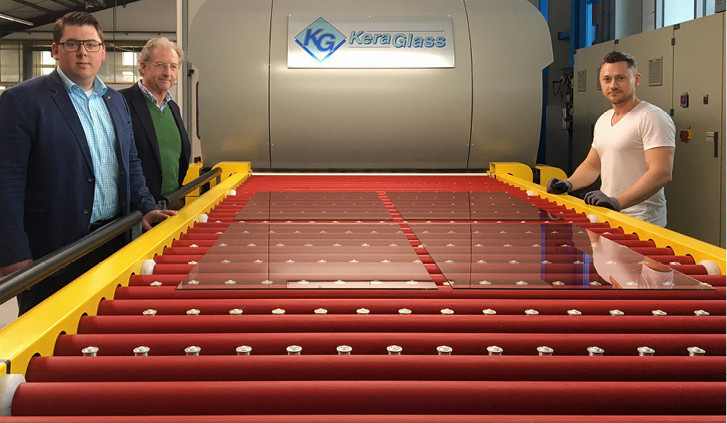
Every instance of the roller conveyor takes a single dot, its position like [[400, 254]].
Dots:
[[470, 283]]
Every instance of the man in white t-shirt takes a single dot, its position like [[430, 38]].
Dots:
[[632, 150]]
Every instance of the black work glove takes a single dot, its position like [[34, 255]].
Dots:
[[558, 186], [598, 198]]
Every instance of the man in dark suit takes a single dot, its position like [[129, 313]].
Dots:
[[161, 140], [68, 162]]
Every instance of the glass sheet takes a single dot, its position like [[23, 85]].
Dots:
[[481, 205], [308, 256], [314, 205], [534, 256]]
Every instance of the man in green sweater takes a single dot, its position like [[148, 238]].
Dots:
[[161, 139]]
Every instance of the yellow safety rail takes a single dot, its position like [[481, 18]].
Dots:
[[547, 172], [680, 244], [35, 332], [512, 168]]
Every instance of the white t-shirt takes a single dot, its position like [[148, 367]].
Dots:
[[621, 150]]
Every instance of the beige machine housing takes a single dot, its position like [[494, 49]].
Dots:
[[684, 59], [252, 107]]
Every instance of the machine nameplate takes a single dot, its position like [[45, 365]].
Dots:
[[370, 42]]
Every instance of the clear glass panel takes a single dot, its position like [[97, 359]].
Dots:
[[106, 72], [676, 11], [127, 70], [705, 8], [46, 58], [320, 205], [465, 206], [547, 256], [10, 63], [310, 256], [128, 58], [43, 62], [709, 7]]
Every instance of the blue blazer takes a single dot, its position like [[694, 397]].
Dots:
[[46, 172], [147, 145]]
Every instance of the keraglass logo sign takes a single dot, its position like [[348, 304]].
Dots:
[[320, 39], [370, 42]]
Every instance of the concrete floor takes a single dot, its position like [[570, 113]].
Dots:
[[8, 312]]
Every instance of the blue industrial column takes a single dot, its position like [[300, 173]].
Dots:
[[581, 32], [543, 6]]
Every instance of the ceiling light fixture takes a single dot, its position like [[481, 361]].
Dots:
[[95, 3], [14, 19]]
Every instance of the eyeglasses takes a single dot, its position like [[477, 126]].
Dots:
[[161, 65], [72, 45]]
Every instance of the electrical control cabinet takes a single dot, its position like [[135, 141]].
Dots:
[[696, 196]]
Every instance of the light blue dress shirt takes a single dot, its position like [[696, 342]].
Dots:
[[101, 138]]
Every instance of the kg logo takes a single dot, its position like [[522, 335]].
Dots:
[[320, 39]]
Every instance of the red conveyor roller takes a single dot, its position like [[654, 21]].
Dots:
[[662, 357]]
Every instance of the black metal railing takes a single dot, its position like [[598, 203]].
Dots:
[[182, 191], [14, 283]]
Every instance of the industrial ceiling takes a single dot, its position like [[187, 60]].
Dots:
[[23, 15]]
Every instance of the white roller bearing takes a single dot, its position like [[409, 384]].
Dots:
[[530, 193], [710, 266], [232, 193], [147, 267], [593, 218], [203, 217], [9, 383]]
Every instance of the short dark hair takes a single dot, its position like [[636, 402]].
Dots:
[[77, 19], [615, 57]]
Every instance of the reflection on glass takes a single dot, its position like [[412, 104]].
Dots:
[[318, 205], [310, 256], [543, 256], [624, 268], [482, 206]]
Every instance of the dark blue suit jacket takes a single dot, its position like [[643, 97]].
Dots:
[[46, 172], [147, 145]]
